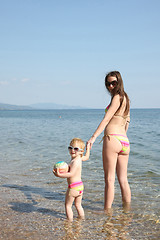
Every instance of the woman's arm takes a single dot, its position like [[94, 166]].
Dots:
[[115, 103]]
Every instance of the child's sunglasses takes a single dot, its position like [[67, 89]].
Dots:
[[113, 83], [76, 149]]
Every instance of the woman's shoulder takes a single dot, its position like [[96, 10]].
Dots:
[[116, 97]]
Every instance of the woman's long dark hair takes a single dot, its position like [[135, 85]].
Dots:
[[119, 89]]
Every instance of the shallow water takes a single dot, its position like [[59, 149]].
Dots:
[[32, 198]]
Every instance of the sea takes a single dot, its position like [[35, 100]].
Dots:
[[32, 198]]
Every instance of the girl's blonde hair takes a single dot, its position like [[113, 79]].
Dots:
[[80, 142]]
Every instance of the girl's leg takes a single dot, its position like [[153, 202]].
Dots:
[[121, 169], [111, 147], [78, 205], [68, 205]]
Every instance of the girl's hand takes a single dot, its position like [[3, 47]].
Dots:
[[87, 146], [56, 173]]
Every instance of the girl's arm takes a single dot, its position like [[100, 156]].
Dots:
[[86, 156], [115, 103], [71, 173]]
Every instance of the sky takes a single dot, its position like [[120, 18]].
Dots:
[[59, 51]]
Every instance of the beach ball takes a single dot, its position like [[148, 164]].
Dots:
[[62, 166]]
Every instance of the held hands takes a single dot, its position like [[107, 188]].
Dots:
[[86, 156], [87, 146], [91, 141]]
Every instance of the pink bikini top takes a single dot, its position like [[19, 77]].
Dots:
[[107, 108]]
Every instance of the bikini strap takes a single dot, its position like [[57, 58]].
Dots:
[[106, 135]]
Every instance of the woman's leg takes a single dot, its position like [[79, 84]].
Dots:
[[122, 164], [111, 148]]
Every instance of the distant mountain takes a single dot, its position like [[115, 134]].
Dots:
[[53, 106], [43, 106], [4, 106]]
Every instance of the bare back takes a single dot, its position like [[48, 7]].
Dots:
[[118, 122]]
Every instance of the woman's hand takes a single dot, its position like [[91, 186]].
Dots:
[[91, 141]]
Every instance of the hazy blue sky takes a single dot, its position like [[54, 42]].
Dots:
[[60, 50]]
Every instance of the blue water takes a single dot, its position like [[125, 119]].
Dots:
[[32, 141]]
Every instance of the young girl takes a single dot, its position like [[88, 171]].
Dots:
[[75, 185], [116, 145]]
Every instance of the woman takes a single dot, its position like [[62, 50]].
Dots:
[[116, 146]]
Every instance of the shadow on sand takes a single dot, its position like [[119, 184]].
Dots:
[[24, 207]]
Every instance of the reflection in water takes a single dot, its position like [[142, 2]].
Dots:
[[116, 227], [72, 229], [108, 226]]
